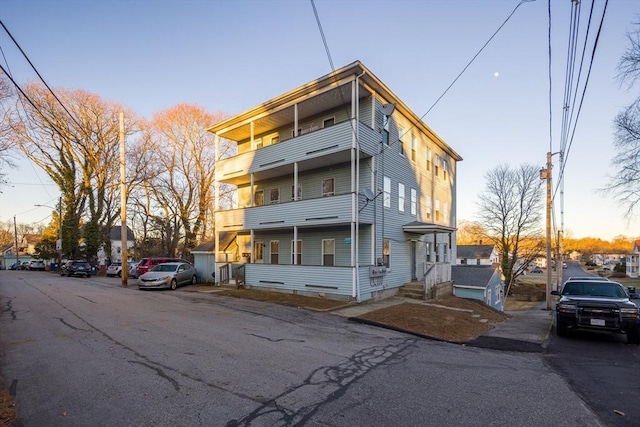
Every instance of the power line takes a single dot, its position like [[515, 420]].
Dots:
[[459, 75], [39, 76]]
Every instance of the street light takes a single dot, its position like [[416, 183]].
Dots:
[[59, 242]]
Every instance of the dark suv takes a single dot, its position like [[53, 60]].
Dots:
[[596, 305], [76, 268]]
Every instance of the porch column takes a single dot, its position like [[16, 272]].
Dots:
[[252, 197], [295, 120], [295, 245], [295, 181], [252, 248]]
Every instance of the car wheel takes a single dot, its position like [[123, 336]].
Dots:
[[174, 284], [194, 280], [119, 274], [561, 328], [633, 336]]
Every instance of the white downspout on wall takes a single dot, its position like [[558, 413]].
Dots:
[[355, 105], [216, 207]]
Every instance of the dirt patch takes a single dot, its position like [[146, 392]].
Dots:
[[281, 298], [451, 319], [7, 409]]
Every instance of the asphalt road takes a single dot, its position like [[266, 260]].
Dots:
[[601, 367], [84, 352]]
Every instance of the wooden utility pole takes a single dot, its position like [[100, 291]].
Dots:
[[546, 174], [123, 206]]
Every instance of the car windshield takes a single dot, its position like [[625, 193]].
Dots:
[[166, 267], [607, 290]]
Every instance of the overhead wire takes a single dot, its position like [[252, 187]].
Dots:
[[414, 124], [64, 107]]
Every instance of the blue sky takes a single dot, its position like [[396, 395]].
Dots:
[[232, 55]]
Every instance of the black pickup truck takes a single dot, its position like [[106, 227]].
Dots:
[[596, 305]]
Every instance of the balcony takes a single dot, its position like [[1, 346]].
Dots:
[[334, 210], [330, 145]]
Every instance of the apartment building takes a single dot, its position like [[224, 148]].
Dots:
[[339, 190]]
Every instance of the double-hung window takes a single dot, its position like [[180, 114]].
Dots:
[[401, 199], [400, 143], [414, 202], [328, 187], [328, 251], [387, 192], [414, 148], [258, 198], [428, 160], [386, 251], [274, 196], [274, 250], [298, 255]]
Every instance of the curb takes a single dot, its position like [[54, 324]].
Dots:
[[492, 343]]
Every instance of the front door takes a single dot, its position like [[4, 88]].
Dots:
[[413, 261]]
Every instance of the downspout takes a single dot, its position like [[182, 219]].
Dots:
[[216, 202], [356, 134]]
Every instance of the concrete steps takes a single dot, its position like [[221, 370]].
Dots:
[[413, 290]]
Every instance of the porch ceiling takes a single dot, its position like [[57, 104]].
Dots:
[[417, 227]]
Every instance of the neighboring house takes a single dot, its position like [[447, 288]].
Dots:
[[341, 190], [204, 256], [481, 282], [608, 259], [477, 254], [633, 261], [28, 243], [115, 235]]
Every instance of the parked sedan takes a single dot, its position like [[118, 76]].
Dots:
[[168, 275]]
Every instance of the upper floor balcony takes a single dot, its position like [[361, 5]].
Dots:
[[324, 146], [322, 211]]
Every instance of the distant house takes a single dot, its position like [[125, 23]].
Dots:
[[633, 261], [115, 235], [28, 243], [481, 282], [477, 255]]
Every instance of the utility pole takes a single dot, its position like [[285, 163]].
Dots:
[[15, 236], [59, 242], [546, 174], [123, 206]]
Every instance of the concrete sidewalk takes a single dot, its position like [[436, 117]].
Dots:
[[526, 330]]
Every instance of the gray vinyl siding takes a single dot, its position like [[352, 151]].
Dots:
[[312, 245], [316, 217], [334, 139]]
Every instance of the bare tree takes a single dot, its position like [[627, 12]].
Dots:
[[74, 138], [510, 211], [7, 143], [184, 187], [625, 184]]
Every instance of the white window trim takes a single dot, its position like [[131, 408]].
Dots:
[[333, 193], [401, 197], [386, 197], [414, 202]]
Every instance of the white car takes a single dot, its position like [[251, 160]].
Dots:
[[114, 269], [168, 275]]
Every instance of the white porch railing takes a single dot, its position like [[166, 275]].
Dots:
[[436, 273]]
